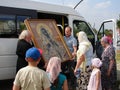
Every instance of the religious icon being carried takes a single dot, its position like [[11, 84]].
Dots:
[[47, 36]]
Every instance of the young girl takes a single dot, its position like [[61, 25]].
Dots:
[[95, 78], [58, 80]]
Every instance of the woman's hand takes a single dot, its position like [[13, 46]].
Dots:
[[75, 71], [73, 55], [46, 63]]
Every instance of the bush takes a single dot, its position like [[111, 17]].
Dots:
[[118, 24]]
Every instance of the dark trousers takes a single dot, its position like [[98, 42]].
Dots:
[[68, 69]]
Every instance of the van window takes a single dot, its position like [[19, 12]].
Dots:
[[20, 23], [82, 26], [105, 29], [61, 20], [7, 25], [11, 25]]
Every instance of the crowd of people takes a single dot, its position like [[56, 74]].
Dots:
[[85, 71]]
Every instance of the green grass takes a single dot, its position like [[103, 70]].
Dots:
[[118, 69]]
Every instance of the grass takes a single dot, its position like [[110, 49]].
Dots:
[[118, 69]]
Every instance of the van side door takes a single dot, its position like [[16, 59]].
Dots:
[[107, 28], [83, 26]]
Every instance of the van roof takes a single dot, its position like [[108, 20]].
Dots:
[[39, 6]]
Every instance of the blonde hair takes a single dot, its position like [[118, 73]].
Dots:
[[24, 34]]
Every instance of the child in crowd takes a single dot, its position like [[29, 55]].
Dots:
[[95, 78], [58, 80], [31, 77]]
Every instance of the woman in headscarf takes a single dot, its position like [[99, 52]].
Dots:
[[108, 69], [58, 80], [84, 56]]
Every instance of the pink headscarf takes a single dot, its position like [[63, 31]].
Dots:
[[105, 39], [109, 40], [54, 68], [96, 62]]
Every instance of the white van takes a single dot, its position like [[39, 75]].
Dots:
[[12, 16]]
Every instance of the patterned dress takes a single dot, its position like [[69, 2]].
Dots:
[[107, 55], [83, 79]]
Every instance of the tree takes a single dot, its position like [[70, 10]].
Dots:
[[118, 24], [95, 30]]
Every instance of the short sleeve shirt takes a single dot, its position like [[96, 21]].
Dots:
[[32, 78], [70, 41]]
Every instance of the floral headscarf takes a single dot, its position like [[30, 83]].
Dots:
[[54, 68]]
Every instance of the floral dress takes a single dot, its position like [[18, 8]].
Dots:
[[107, 55]]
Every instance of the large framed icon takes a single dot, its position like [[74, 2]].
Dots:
[[46, 35]]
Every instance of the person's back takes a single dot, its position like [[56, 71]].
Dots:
[[85, 48], [24, 43], [89, 55], [31, 77], [95, 77], [93, 81], [58, 80], [61, 79]]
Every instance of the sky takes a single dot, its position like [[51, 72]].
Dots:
[[94, 11]]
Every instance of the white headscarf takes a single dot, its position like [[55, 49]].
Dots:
[[83, 40], [82, 37], [84, 46], [96, 62]]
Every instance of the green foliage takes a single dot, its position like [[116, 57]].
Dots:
[[106, 32], [118, 24], [95, 31], [22, 26]]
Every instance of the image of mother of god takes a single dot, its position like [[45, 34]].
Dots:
[[51, 47]]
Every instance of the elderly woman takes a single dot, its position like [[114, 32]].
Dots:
[[58, 80], [108, 69], [24, 43], [84, 56]]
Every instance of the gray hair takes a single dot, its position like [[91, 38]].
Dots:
[[23, 34]]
